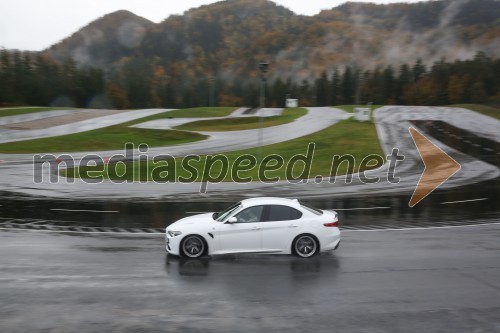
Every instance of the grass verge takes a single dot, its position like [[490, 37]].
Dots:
[[350, 108], [358, 139], [115, 137], [243, 123], [189, 113], [4, 112], [483, 109], [109, 138]]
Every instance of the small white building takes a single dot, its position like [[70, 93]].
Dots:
[[362, 114], [292, 103]]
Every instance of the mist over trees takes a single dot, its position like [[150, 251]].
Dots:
[[28, 78], [427, 53], [32, 79]]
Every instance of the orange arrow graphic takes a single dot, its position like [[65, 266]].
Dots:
[[439, 166]]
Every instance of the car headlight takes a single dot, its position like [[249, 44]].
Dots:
[[174, 233]]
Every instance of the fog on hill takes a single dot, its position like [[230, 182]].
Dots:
[[357, 52]]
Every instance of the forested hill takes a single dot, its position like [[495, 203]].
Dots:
[[104, 41], [431, 53], [229, 37]]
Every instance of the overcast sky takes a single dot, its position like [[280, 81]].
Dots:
[[37, 24]]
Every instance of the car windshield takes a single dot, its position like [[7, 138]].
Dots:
[[226, 212], [312, 209]]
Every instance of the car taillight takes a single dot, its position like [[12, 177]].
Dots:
[[332, 224]]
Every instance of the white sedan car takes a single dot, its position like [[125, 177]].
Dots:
[[258, 225]]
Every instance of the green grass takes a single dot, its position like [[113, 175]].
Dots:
[[189, 113], [115, 137], [243, 123], [110, 138], [346, 137], [483, 109], [4, 112], [350, 108]]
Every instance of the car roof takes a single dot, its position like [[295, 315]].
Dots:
[[270, 201]]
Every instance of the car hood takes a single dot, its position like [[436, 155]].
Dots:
[[196, 219]]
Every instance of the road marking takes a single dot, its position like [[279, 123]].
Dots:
[[87, 232], [425, 228], [361, 208], [439, 167], [85, 210], [163, 234], [488, 149], [462, 201]]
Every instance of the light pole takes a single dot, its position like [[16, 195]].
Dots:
[[211, 93], [264, 68]]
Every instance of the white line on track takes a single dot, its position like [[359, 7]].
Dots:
[[426, 228], [85, 210], [361, 208], [462, 201], [162, 234], [88, 232]]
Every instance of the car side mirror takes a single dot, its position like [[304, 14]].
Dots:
[[232, 220]]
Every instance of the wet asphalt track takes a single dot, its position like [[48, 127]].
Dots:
[[442, 279], [433, 280]]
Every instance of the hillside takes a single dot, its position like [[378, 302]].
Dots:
[[104, 41], [431, 52], [229, 37]]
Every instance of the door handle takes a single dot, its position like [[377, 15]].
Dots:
[[255, 228], [292, 226]]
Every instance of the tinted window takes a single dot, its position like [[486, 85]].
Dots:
[[226, 212], [312, 209], [282, 213], [252, 214]]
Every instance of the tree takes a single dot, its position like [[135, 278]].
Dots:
[[348, 86], [335, 88], [457, 87], [322, 91], [404, 80], [117, 95], [419, 70]]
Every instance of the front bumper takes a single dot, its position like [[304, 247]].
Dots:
[[172, 244]]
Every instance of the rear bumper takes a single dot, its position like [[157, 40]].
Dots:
[[330, 242]]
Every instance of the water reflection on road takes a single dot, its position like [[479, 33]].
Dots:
[[356, 211]]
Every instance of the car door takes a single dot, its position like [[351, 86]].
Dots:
[[281, 224], [245, 235]]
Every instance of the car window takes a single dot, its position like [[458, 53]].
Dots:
[[282, 213], [226, 212], [249, 215], [311, 209]]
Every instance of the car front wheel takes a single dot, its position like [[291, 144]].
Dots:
[[305, 246], [193, 247]]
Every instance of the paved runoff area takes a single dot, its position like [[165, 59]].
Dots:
[[433, 280]]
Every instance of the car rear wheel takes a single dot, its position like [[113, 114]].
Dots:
[[193, 246], [305, 246]]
